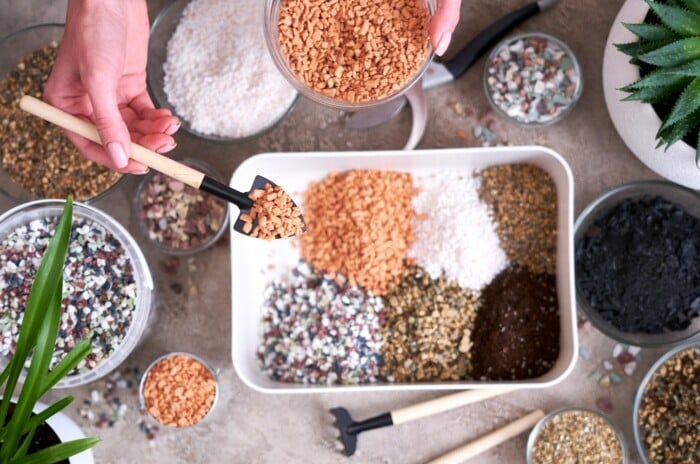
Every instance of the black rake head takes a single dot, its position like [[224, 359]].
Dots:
[[343, 421]]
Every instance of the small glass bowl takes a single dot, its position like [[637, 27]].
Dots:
[[532, 438], [214, 374], [143, 228], [162, 30], [563, 111], [272, 9], [675, 193], [22, 215], [13, 48], [641, 390]]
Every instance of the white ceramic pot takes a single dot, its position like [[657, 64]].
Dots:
[[67, 430], [636, 122]]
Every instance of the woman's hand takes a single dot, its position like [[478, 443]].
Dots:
[[443, 24], [100, 75]]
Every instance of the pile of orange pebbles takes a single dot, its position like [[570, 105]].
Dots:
[[275, 214], [179, 391], [359, 225], [354, 50]]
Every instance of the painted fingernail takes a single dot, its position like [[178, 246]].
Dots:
[[443, 43], [172, 128], [139, 171], [166, 147], [117, 154]]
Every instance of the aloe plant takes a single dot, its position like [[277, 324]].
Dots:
[[36, 340], [668, 48]]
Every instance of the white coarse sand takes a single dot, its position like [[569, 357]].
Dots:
[[455, 233], [219, 75]]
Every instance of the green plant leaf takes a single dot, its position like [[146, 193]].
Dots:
[[651, 32], [679, 130], [658, 94], [687, 104], [40, 418], [58, 452], [692, 5], [26, 443], [673, 54], [48, 278], [659, 78], [66, 365], [38, 369], [678, 19], [4, 375], [640, 47]]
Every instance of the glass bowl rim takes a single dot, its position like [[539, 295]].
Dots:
[[31, 196], [303, 89], [569, 52], [214, 374], [641, 389], [657, 340], [185, 124], [532, 436]]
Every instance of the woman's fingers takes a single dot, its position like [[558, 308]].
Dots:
[[160, 143], [443, 24], [165, 125]]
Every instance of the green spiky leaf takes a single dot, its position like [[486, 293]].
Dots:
[[678, 131], [661, 78], [658, 94], [692, 5], [666, 77], [687, 104], [652, 32], [678, 19], [673, 54], [640, 47]]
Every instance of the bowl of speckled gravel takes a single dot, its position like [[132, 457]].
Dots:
[[637, 253], [533, 79], [208, 64], [107, 291], [574, 434], [36, 159], [666, 413], [401, 281]]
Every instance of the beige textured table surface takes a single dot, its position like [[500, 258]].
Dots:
[[249, 427]]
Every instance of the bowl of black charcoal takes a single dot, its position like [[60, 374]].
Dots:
[[637, 260]]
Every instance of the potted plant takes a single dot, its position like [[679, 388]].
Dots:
[[650, 72], [20, 419]]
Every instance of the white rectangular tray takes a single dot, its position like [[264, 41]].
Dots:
[[251, 258]]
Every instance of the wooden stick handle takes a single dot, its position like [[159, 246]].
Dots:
[[488, 441], [444, 403], [143, 155]]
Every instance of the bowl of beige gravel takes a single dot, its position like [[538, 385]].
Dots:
[[350, 55]]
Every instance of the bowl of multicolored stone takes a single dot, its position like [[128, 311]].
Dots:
[[107, 290], [533, 79], [179, 219]]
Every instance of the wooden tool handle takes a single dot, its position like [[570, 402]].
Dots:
[[490, 440], [143, 155], [444, 403]]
